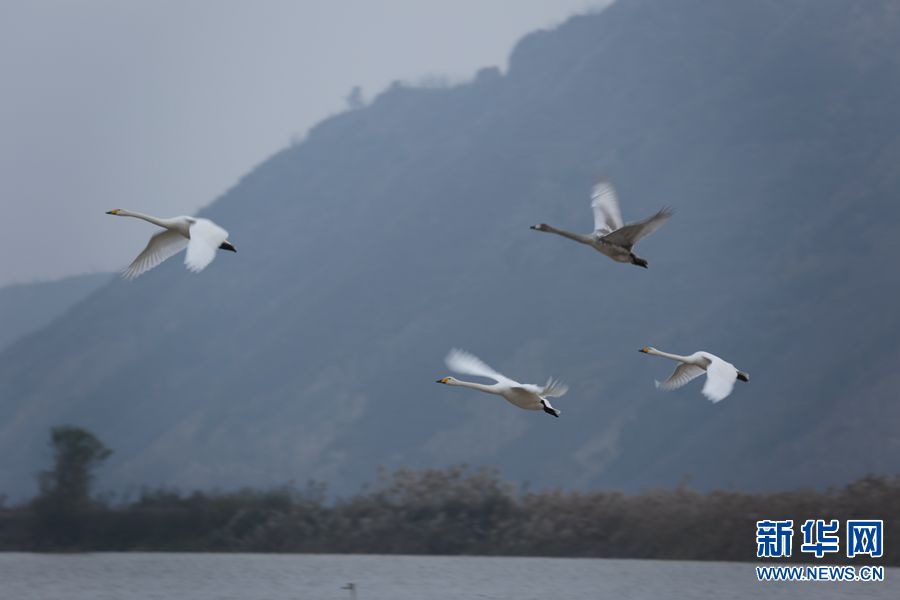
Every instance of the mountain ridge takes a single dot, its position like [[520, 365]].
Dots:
[[29, 307]]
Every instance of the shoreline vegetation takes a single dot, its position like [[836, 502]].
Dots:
[[449, 511]]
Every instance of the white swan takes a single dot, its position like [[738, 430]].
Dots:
[[201, 237], [523, 395], [610, 236], [720, 374]]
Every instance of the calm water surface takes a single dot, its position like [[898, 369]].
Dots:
[[136, 576]]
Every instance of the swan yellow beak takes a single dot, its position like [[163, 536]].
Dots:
[[114, 211], [645, 349], [444, 380]]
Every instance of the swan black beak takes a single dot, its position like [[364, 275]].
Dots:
[[227, 246]]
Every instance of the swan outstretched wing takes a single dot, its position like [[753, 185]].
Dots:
[[683, 374], [206, 237], [607, 216], [631, 234], [161, 246], [466, 363], [555, 389], [552, 389], [720, 378]]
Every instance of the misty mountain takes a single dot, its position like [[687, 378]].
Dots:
[[399, 230], [28, 307]]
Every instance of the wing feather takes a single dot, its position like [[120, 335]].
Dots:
[[206, 237], [552, 389], [162, 246], [720, 378], [605, 203], [683, 374], [468, 364], [631, 234]]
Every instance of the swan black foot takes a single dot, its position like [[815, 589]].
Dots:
[[636, 260], [551, 411]]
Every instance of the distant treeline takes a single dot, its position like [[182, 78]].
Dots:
[[451, 511], [455, 510]]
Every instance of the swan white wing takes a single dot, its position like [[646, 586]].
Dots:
[[161, 246], [206, 237], [605, 203], [631, 234], [466, 363], [555, 389], [552, 389], [720, 378], [683, 374]]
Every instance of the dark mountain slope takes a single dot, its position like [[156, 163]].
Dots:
[[397, 231], [28, 307]]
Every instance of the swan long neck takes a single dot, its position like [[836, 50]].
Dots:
[[148, 218], [678, 357], [583, 239], [475, 386]]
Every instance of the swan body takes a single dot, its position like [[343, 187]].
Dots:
[[524, 395], [611, 236], [720, 374], [201, 238]]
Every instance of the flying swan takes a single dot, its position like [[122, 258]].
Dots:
[[523, 395], [720, 375], [201, 237], [611, 237]]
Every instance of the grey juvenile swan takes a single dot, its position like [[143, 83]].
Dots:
[[523, 395], [611, 237], [201, 237], [720, 374]]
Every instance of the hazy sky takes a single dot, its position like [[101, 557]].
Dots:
[[160, 106]]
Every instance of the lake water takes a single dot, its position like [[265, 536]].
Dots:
[[137, 576]]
